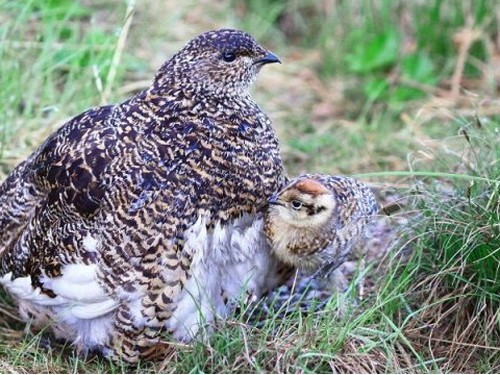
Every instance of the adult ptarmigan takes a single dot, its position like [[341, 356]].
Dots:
[[145, 216]]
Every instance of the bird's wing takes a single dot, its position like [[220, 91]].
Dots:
[[45, 174], [49, 200], [49, 250]]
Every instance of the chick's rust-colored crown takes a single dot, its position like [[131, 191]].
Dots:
[[311, 187]]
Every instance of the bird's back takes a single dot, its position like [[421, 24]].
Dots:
[[357, 201], [357, 207]]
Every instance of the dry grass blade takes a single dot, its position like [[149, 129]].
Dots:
[[464, 39], [120, 45]]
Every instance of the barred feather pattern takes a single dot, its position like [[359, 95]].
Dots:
[[104, 228]]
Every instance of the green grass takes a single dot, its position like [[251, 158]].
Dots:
[[53, 66], [365, 88], [389, 36], [448, 290]]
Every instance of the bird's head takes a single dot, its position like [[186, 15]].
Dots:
[[221, 63], [305, 203]]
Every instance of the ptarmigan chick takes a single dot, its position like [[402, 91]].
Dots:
[[316, 219], [146, 216]]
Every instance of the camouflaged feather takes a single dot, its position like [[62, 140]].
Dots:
[[136, 175]]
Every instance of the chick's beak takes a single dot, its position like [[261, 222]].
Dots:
[[274, 200], [268, 58]]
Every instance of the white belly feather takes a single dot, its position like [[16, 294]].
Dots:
[[228, 262], [80, 312]]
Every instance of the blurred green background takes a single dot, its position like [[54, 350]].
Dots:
[[361, 84], [366, 86]]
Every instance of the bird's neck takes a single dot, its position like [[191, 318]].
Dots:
[[286, 233], [169, 85], [297, 246]]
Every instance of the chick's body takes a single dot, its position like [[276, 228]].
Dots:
[[316, 219], [142, 216]]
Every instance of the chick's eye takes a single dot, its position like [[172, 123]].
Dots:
[[296, 205], [228, 56]]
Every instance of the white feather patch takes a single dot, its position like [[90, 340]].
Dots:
[[90, 243], [78, 283], [22, 289], [230, 261], [81, 311], [94, 310]]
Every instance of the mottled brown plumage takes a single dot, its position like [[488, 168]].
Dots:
[[316, 219], [133, 218]]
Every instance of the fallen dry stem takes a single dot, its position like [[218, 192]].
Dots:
[[120, 45]]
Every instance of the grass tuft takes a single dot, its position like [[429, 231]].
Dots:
[[446, 295]]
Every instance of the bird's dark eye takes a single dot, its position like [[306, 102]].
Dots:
[[228, 56], [296, 205]]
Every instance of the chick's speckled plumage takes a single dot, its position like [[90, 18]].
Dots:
[[133, 218], [316, 219]]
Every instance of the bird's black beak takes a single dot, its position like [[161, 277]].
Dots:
[[269, 58]]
